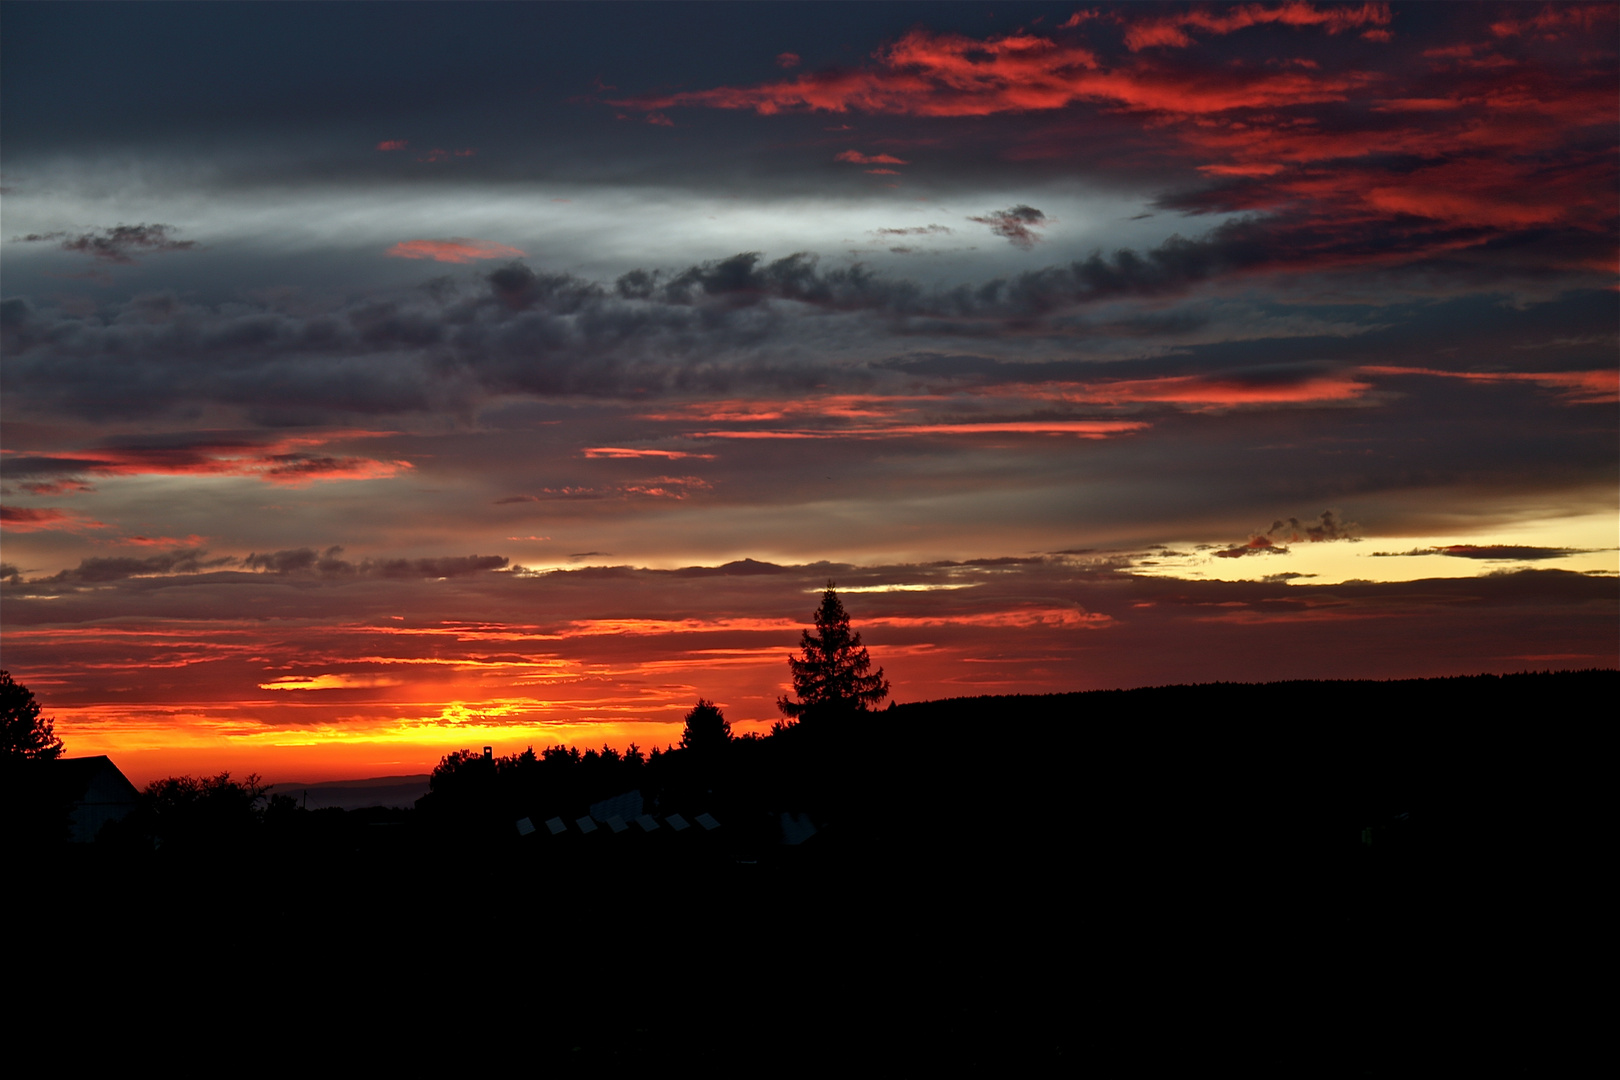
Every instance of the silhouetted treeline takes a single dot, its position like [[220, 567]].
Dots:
[[1267, 765]]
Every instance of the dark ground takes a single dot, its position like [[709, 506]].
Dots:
[[1358, 879]]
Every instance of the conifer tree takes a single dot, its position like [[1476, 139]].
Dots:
[[706, 728], [832, 674]]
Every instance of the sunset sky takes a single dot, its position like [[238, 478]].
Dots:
[[381, 380]]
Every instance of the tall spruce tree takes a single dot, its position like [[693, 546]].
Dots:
[[832, 674]]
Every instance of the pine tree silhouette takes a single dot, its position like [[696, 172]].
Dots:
[[706, 728], [832, 674]]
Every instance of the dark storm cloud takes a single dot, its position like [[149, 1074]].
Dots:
[[119, 244]]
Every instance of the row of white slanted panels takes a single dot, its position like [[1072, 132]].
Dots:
[[647, 823]]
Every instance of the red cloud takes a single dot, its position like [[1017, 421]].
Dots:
[[1551, 23], [392, 144], [876, 159], [455, 250], [1171, 30], [787, 60], [43, 519], [1511, 135], [286, 461], [1578, 387], [926, 74], [1198, 391], [1080, 17]]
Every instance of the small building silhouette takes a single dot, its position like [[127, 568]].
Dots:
[[97, 790]]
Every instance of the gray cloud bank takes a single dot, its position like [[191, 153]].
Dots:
[[716, 327], [119, 244], [176, 566]]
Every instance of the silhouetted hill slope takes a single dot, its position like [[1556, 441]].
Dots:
[[1477, 758]]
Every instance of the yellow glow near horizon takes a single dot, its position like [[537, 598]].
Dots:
[[1594, 540]]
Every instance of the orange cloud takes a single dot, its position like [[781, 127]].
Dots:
[[1578, 387], [626, 452], [329, 682], [192, 541], [454, 250]]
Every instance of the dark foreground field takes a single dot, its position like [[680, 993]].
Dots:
[[1309, 878]]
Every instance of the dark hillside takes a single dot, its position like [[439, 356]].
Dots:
[[1206, 873]]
